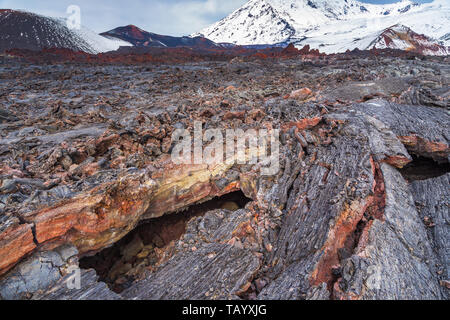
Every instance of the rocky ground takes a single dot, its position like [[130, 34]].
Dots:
[[358, 210]]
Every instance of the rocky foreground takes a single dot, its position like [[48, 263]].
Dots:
[[358, 210]]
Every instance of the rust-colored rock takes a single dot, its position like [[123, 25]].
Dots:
[[234, 115], [302, 124], [341, 232], [423, 146], [181, 186], [15, 242], [301, 94], [397, 161], [96, 219]]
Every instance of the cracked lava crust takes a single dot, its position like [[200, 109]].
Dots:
[[358, 209]]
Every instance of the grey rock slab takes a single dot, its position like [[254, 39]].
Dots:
[[432, 200], [213, 271], [397, 262], [90, 289], [429, 123], [35, 273]]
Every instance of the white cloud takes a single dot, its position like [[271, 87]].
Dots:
[[172, 17]]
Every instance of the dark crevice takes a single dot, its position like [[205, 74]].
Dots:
[[33, 227], [422, 168], [33, 231], [254, 289], [140, 250], [374, 211], [351, 243]]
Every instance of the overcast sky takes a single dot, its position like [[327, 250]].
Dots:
[[171, 17]]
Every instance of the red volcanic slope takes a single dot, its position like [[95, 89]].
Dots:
[[403, 38], [136, 33], [142, 38]]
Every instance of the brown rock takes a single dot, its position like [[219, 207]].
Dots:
[[301, 94], [234, 115], [232, 206], [230, 89], [132, 249], [302, 124]]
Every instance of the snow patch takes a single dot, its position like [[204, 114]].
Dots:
[[328, 25]]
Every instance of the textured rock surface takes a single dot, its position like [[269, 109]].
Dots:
[[190, 275], [423, 130], [392, 260], [38, 273], [431, 198], [16, 240], [317, 230], [90, 167], [90, 289]]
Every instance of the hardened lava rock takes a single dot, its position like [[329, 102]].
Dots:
[[357, 210]]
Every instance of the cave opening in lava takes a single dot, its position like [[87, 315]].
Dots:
[[141, 249], [422, 168]]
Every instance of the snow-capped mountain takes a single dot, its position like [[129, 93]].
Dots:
[[25, 30], [328, 25]]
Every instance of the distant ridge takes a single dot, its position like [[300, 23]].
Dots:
[[26, 30], [142, 38]]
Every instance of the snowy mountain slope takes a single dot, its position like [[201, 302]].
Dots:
[[257, 22], [25, 30], [328, 25], [97, 42]]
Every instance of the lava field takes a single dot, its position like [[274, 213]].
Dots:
[[359, 208]]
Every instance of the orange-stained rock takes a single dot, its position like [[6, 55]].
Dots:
[[234, 115], [243, 230], [230, 88], [302, 124], [342, 234], [437, 150], [97, 218], [301, 94], [290, 50], [344, 227], [15, 242], [397, 161], [181, 186], [103, 215]]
